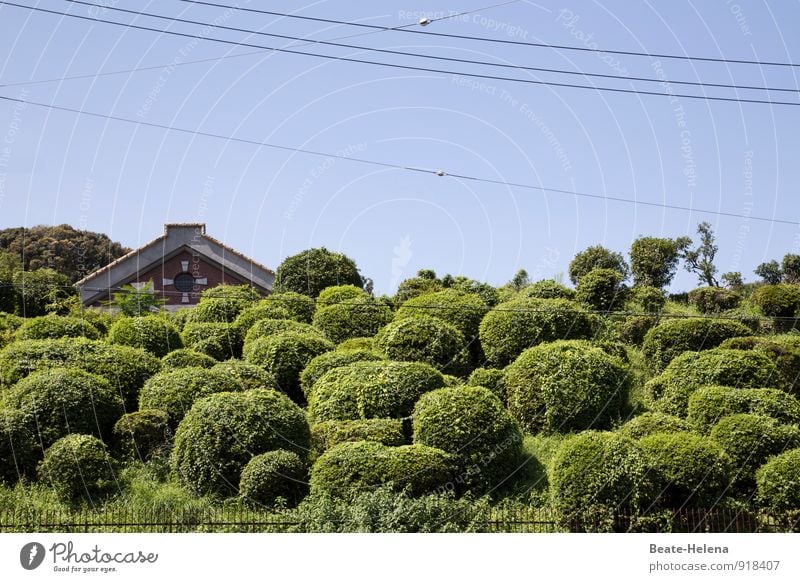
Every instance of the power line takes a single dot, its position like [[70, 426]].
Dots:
[[439, 173], [330, 42], [415, 68]]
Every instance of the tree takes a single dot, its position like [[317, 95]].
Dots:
[[9, 264], [40, 292], [520, 280], [654, 261], [791, 268], [596, 257], [732, 280], [134, 301], [770, 272], [701, 259], [312, 270]]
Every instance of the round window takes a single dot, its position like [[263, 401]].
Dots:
[[184, 282]]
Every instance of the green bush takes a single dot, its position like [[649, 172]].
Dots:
[[20, 449], [634, 329], [689, 470], [317, 367], [785, 355], [222, 432], [414, 287], [56, 326], [778, 300], [601, 289], [180, 317], [714, 299], [78, 467], [64, 401], [185, 358], [348, 467], [300, 306], [511, 327], [361, 317], [738, 368], [175, 391], [246, 376], [271, 327], [425, 339], [471, 424], [564, 386], [671, 338], [596, 257], [340, 294], [311, 271], [652, 423], [547, 289], [387, 431], [490, 378], [707, 405], [285, 355], [371, 390], [141, 434], [272, 475], [153, 334], [463, 311], [597, 474], [221, 341], [243, 294], [252, 315], [223, 303], [749, 440], [777, 481], [647, 299], [357, 343]]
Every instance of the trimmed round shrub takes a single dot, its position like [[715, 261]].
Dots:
[[272, 475], [353, 318], [647, 299], [186, 358], [175, 391], [707, 405], [778, 300], [371, 390], [414, 287], [221, 341], [564, 386], [153, 334], [285, 355], [180, 317], [357, 343], [671, 338], [142, 434], [490, 378], [634, 329], [714, 299], [20, 449], [511, 327], [222, 432], [271, 327], [671, 390], [311, 271], [464, 311], [340, 294], [387, 431], [594, 475], [785, 356], [596, 257], [601, 289], [78, 467], [250, 316], [348, 467], [56, 326], [317, 367], [244, 294], [750, 439], [689, 470], [64, 401], [547, 289], [425, 339], [300, 306], [246, 376], [652, 423], [471, 424], [777, 482], [223, 303]]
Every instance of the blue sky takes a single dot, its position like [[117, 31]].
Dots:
[[127, 180]]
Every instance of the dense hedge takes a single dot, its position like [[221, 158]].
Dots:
[[744, 369], [340, 294], [547, 289], [511, 327], [246, 376], [271, 327], [707, 405], [64, 401], [153, 334], [357, 343], [285, 355], [348, 467], [141, 434], [126, 368], [300, 306], [601, 289], [371, 390], [387, 431], [56, 326], [652, 423], [778, 300], [425, 339], [223, 303], [750, 439], [273, 475], [20, 449], [317, 367], [312, 270], [78, 467], [361, 317], [185, 358], [222, 432], [633, 329], [673, 337], [472, 425], [785, 355], [463, 311], [566, 385], [490, 378], [777, 481], [250, 316], [689, 470], [175, 391], [714, 299], [221, 341]]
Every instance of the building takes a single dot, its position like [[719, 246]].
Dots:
[[181, 263]]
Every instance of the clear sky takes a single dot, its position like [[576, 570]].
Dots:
[[127, 180]]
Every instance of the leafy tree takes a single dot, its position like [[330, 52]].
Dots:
[[701, 259], [596, 257], [791, 268], [770, 272], [520, 280], [135, 302], [732, 280], [8, 294], [41, 291], [654, 261], [312, 270]]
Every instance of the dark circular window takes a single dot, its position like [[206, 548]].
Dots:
[[184, 282]]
